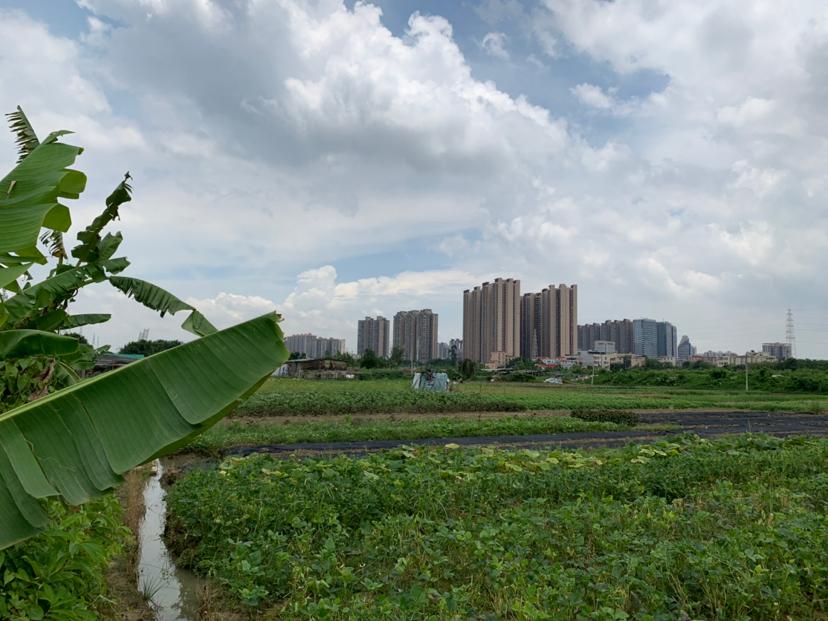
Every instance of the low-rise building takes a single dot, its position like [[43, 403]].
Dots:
[[731, 359], [605, 347]]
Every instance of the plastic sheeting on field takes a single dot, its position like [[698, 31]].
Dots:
[[435, 382]]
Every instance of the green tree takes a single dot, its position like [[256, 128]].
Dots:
[[396, 356], [73, 439], [147, 348], [346, 357], [468, 368], [370, 360]]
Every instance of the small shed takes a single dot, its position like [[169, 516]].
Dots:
[[313, 368]]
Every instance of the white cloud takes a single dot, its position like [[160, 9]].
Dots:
[[322, 304], [494, 44], [227, 309], [270, 137], [593, 96]]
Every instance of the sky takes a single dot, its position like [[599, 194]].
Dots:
[[332, 159]]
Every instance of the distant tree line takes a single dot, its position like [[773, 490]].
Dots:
[[147, 348]]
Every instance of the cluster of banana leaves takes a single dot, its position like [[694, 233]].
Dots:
[[60, 434]]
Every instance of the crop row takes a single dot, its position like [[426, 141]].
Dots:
[[279, 397], [730, 529], [264, 431]]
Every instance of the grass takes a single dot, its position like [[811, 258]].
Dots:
[[273, 431], [732, 529], [281, 397]]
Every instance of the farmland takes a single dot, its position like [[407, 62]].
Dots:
[[273, 431], [729, 529], [292, 397]]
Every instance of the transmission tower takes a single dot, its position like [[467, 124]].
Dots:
[[143, 335], [790, 336]]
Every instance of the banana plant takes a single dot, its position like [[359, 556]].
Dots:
[[72, 438]]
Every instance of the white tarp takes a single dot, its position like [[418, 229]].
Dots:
[[436, 382]]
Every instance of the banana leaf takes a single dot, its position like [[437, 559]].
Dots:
[[63, 284], [76, 443], [29, 195], [158, 299], [76, 321], [26, 343]]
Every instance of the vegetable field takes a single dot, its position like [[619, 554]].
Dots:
[[273, 431], [280, 397], [733, 529]]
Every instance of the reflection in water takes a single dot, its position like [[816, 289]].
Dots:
[[173, 592]]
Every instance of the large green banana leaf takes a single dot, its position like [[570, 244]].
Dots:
[[77, 442]]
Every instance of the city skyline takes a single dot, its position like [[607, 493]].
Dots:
[[640, 336]]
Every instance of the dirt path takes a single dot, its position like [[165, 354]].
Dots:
[[706, 423]]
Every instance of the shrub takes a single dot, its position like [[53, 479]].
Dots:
[[61, 573]]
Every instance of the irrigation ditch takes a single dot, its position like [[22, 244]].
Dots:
[[172, 592]]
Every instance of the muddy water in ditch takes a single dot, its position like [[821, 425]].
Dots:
[[173, 592]]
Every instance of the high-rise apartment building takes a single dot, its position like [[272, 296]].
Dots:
[[372, 333], [780, 351], [313, 346], [667, 339], [531, 320], [645, 337], [491, 321], [654, 339], [456, 349], [685, 349], [415, 332], [549, 322], [619, 332]]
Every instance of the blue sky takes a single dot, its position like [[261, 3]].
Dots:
[[337, 159]]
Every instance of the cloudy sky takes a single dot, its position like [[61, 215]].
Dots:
[[335, 159]]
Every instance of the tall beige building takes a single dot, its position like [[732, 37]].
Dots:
[[549, 322], [491, 321], [415, 332], [373, 334]]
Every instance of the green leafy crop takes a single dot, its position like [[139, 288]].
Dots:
[[689, 529]]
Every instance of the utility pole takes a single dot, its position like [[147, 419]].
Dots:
[[746, 372]]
